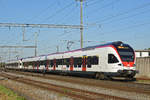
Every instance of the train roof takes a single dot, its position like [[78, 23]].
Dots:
[[116, 43]]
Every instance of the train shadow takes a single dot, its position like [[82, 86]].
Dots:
[[124, 80]]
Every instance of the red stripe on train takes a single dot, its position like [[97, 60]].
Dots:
[[84, 61], [71, 63]]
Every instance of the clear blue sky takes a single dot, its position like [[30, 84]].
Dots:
[[107, 20]]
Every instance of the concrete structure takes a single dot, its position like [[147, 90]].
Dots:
[[143, 65], [142, 53]]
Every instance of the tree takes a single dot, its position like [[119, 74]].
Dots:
[[147, 49], [2, 65]]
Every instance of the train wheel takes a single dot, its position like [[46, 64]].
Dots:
[[131, 78], [100, 76], [97, 75]]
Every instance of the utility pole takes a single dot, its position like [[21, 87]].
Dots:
[[57, 47], [15, 52], [36, 35], [81, 23], [23, 32], [47, 26]]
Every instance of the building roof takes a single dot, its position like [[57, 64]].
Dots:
[[142, 50]]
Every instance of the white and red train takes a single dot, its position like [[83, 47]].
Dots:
[[114, 59]]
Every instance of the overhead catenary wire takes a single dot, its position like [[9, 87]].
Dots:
[[128, 27], [58, 11], [65, 16], [123, 13], [94, 2], [102, 7], [127, 17], [89, 1], [40, 13]]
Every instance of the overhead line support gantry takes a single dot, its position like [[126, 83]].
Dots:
[[39, 25]]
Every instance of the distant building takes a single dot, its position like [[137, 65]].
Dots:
[[142, 53]]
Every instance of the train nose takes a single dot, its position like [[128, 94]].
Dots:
[[128, 64], [127, 72]]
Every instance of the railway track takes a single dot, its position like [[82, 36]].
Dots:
[[146, 79], [123, 86], [74, 93]]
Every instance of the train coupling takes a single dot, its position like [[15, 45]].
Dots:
[[128, 72]]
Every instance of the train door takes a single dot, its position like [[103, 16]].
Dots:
[[112, 61], [47, 64], [33, 65], [103, 62], [71, 63], [38, 65], [54, 66], [84, 63], [20, 64]]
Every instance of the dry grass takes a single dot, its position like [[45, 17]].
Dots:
[[6, 94]]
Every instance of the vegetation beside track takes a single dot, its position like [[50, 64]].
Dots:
[[2, 65], [7, 94], [144, 81]]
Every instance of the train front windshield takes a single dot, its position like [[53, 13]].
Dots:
[[126, 53]]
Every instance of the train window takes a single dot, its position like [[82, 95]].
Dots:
[[47, 63], [66, 61], [59, 62], [37, 63], [95, 60], [51, 63], [89, 61], [41, 63], [29, 63], [140, 54], [79, 66], [75, 65], [75, 62], [89, 65], [33, 63], [67, 66], [92, 60], [79, 62], [25, 64], [112, 59]]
